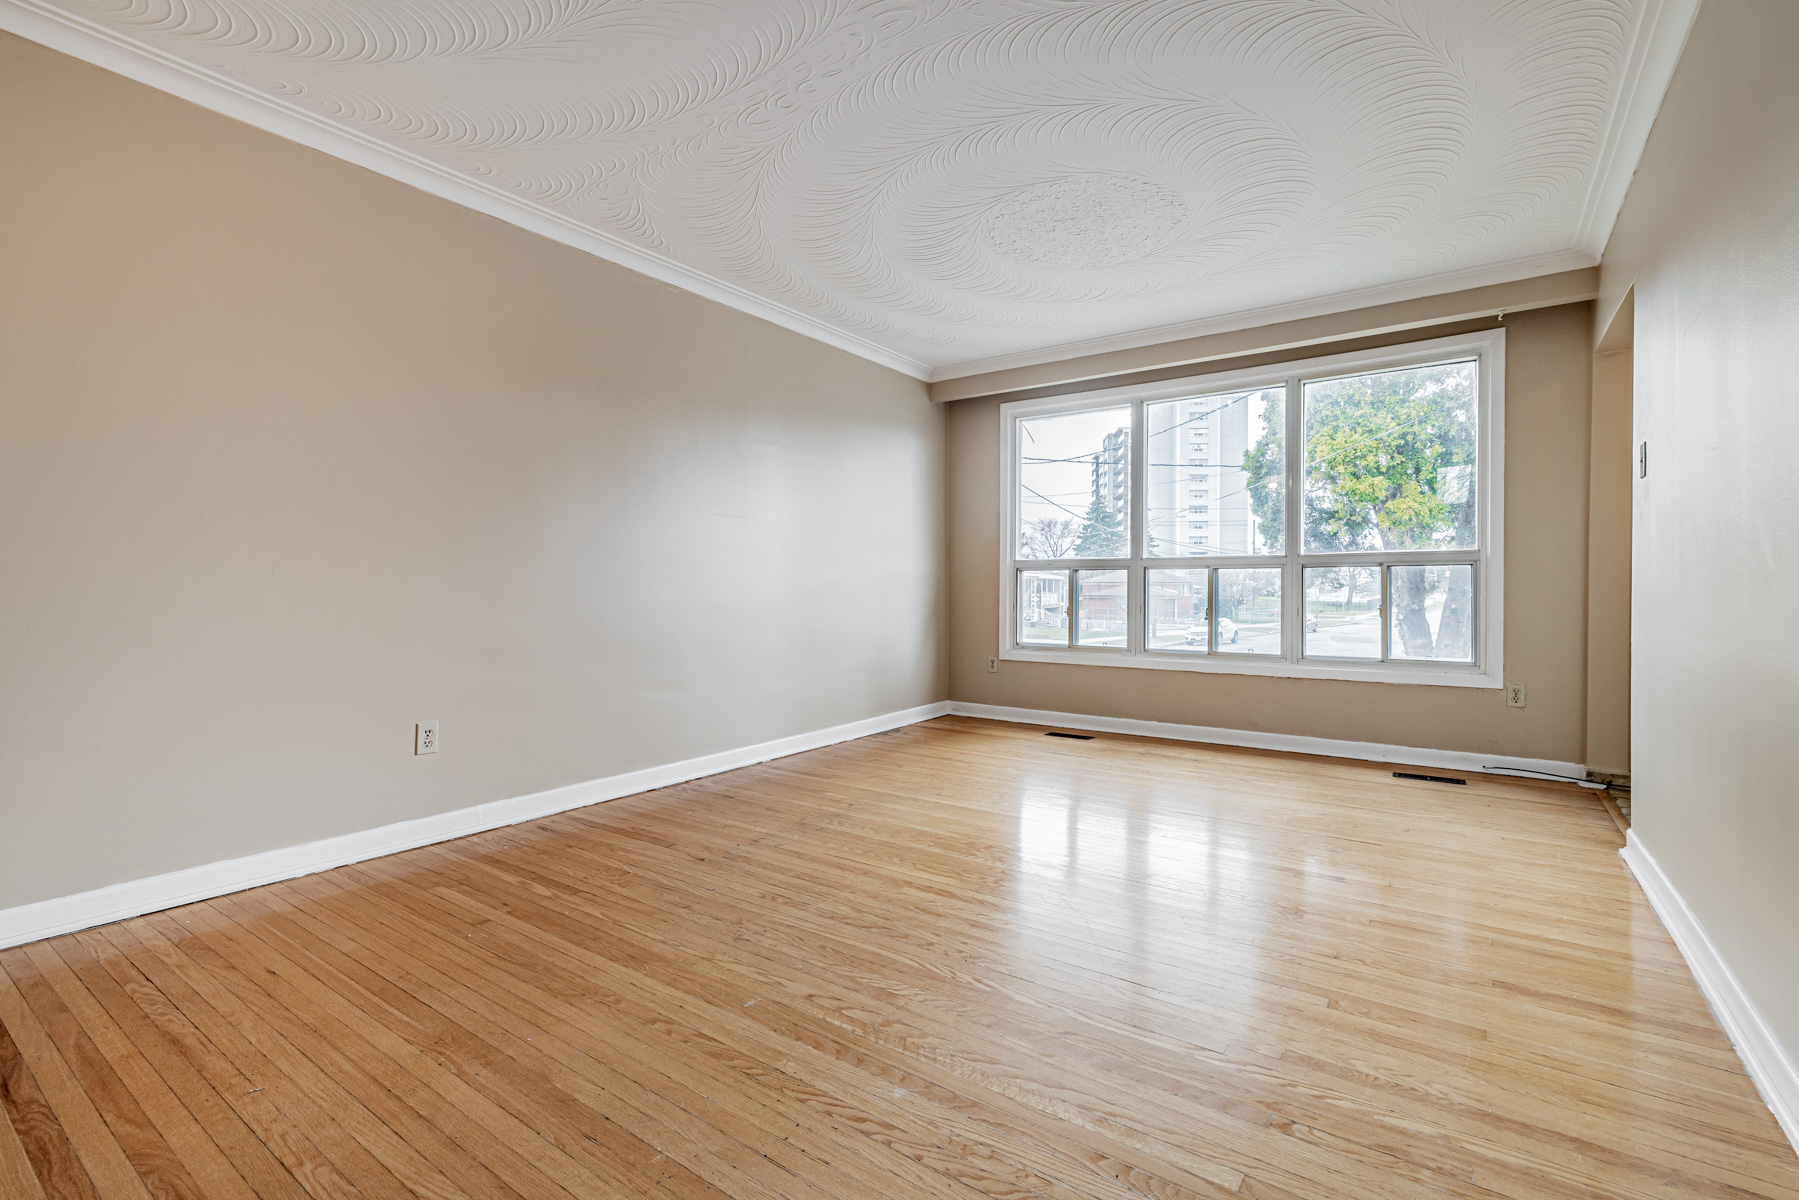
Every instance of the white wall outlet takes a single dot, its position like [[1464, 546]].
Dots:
[[1514, 695], [424, 737], [993, 664]]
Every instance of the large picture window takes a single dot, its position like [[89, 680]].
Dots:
[[1337, 517]]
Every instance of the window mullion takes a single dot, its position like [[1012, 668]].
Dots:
[[1136, 580], [1475, 614], [1292, 582], [1386, 614]]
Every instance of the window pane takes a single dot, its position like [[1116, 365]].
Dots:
[[1178, 611], [1390, 460], [1249, 611], [1074, 485], [1099, 608], [1043, 608], [1433, 612], [1216, 474], [1342, 612]]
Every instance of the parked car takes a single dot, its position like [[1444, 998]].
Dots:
[[1227, 633]]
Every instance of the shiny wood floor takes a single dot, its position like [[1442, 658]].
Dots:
[[960, 959]]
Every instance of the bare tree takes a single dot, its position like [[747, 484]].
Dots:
[[1050, 537]]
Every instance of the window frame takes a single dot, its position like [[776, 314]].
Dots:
[[1487, 349]]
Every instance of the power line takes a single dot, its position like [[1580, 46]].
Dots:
[[1033, 491], [1236, 399]]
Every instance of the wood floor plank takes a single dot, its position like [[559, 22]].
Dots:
[[188, 1059], [326, 1069], [237, 1049], [659, 1087], [790, 1129], [839, 1012], [259, 1169], [104, 1077], [105, 1168], [18, 1174], [395, 1051], [850, 965], [503, 1063], [210, 1172], [959, 960], [595, 1082], [970, 1172], [52, 1156], [517, 902]]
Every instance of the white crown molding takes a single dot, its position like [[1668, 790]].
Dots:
[[93, 44], [1768, 1062], [1251, 318], [1654, 53], [1418, 756], [151, 50], [64, 914]]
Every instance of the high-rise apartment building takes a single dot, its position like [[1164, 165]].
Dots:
[[1112, 471], [1198, 493]]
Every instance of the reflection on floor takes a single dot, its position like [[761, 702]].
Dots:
[[960, 959]]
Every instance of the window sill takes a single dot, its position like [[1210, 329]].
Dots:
[[1232, 664]]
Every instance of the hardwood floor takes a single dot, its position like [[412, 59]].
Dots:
[[960, 959]]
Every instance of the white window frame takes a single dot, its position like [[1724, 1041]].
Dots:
[[1488, 668]]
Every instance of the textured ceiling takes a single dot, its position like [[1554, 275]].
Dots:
[[945, 184]]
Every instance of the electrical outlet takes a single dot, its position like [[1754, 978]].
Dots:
[[1514, 695], [993, 664], [424, 737]]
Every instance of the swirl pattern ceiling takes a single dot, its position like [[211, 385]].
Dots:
[[955, 180]]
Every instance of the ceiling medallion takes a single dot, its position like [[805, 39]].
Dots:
[[1085, 221]]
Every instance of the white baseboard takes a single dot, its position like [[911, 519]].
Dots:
[[1454, 760], [47, 918], [1768, 1062], [63, 914]]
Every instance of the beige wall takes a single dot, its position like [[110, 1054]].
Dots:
[[292, 456], [1185, 354], [1709, 241], [1608, 566], [1548, 375]]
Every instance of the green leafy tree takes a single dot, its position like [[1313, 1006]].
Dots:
[[1390, 466], [1389, 459], [1264, 474], [1102, 533]]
